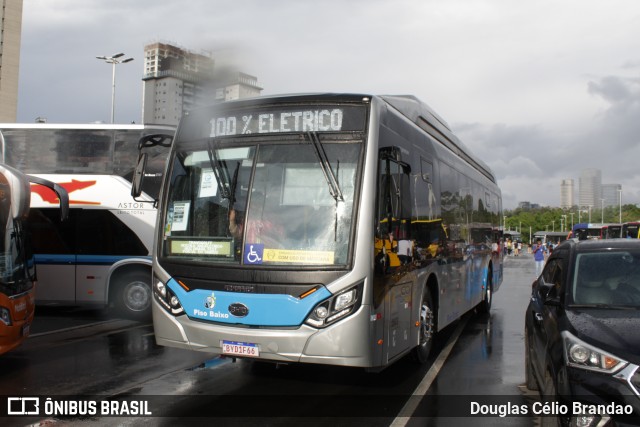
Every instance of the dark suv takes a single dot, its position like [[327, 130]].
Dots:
[[582, 333]]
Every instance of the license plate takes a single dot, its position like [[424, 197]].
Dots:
[[25, 329], [235, 348]]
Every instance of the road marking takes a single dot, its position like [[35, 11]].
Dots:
[[409, 408]]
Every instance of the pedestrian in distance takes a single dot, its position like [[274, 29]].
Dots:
[[538, 256]]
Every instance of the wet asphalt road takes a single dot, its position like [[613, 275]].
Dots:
[[98, 357]]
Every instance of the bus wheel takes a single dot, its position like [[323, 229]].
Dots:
[[427, 328], [485, 305], [133, 296]]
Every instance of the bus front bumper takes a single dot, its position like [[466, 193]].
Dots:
[[345, 343], [11, 336]]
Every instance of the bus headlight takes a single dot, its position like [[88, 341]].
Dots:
[[321, 312], [162, 289], [335, 308], [345, 299], [5, 316], [167, 299]]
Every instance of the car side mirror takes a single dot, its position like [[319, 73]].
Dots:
[[549, 294]]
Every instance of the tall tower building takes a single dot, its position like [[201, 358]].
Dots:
[[590, 188], [10, 33], [174, 79], [611, 194], [177, 80], [566, 194]]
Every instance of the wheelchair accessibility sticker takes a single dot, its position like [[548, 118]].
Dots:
[[253, 253]]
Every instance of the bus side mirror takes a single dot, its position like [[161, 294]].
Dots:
[[138, 176], [63, 196]]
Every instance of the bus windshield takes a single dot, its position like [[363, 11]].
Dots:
[[15, 274], [285, 200]]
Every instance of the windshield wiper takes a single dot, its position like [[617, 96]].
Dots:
[[226, 186], [220, 170], [325, 165]]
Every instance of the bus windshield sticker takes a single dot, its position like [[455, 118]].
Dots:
[[201, 247], [298, 256], [208, 184], [180, 216], [253, 253]]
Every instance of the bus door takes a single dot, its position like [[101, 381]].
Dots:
[[53, 246], [392, 273]]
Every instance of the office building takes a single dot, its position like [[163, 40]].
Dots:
[[590, 191], [177, 80], [611, 194], [238, 85], [10, 33], [566, 194]]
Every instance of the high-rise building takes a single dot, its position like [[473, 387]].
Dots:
[[238, 85], [566, 194], [10, 33], [177, 80], [611, 194], [590, 191]]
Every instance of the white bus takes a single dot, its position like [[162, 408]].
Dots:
[[100, 256], [338, 229]]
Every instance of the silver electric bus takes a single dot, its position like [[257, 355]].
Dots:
[[333, 229]]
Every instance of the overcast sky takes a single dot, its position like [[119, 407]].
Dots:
[[540, 90]]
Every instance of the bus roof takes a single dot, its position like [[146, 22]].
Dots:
[[409, 106]]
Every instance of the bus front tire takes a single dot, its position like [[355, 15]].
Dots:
[[132, 297]]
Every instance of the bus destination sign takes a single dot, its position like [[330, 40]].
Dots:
[[317, 119]]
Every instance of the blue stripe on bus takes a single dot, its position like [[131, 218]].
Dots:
[[69, 259], [54, 259], [264, 309]]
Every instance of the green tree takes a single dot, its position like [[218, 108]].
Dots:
[[530, 221]]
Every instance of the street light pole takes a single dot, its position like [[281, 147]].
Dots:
[[114, 60], [620, 203], [571, 213]]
